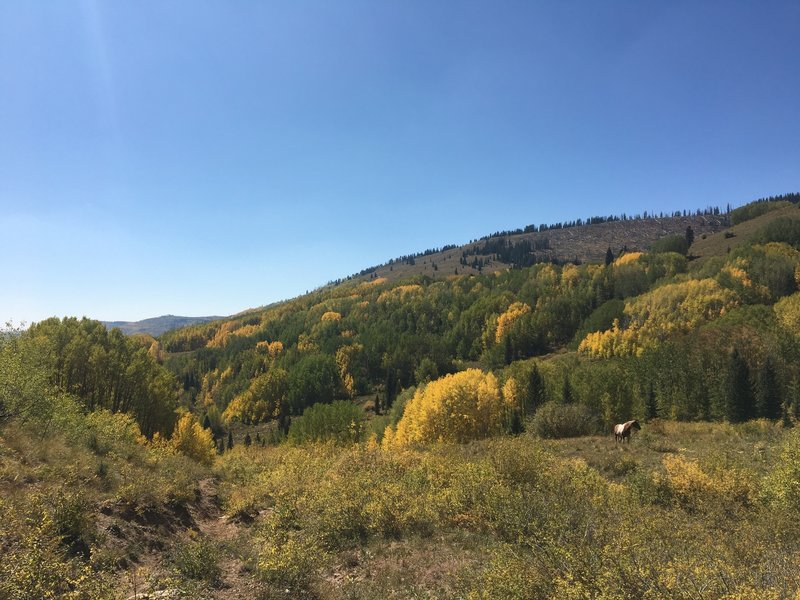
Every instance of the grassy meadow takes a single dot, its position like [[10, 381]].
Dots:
[[686, 510]]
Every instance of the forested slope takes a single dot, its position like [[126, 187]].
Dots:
[[646, 334]]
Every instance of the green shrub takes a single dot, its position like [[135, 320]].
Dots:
[[555, 420], [784, 229], [341, 422], [198, 558]]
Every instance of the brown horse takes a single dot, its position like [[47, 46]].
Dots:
[[622, 431]]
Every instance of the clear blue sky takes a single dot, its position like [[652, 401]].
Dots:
[[200, 158]]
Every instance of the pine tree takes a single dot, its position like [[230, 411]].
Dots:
[[609, 256], [247, 440], [689, 235], [651, 406], [206, 422], [230, 440], [769, 396], [536, 389], [566, 391], [740, 401]]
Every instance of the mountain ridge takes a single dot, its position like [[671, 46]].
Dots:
[[155, 326]]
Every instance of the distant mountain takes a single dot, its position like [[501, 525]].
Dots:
[[157, 325]]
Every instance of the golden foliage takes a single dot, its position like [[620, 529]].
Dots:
[[306, 345], [788, 312], [332, 316], [627, 258], [455, 408], [271, 349], [261, 401], [512, 394], [736, 277], [697, 490], [678, 307], [507, 319], [570, 276], [400, 293], [189, 438], [345, 358]]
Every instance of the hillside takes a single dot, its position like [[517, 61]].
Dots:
[[155, 326], [577, 243], [440, 437]]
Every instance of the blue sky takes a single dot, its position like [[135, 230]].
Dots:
[[201, 158]]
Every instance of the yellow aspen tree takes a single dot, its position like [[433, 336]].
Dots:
[[189, 438], [507, 319], [456, 408]]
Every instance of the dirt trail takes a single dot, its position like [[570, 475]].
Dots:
[[215, 525]]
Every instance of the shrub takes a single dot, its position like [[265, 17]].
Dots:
[[554, 420], [290, 559], [197, 558], [341, 422], [781, 486]]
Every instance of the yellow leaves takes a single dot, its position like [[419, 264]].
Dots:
[[678, 307], [371, 284], [261, 401], [697, 490], [226, 330], [507, 319], [345, 358], [736, 277], [271, 349], [788, 312], [401, 293], [570, 276], [306, 345], [511, 393], [547, 275], [455, 408], [189, 438], [627, 258], [331, 316]]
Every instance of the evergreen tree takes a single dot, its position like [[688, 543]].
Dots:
[[536, 391], [230, 440], [740, 401], [206, 422], [247, 440], [609, 256], [566, 391], [769, 396], [689, 235], [377, 404], [391, 387], [220, 446], [651, 406], [509, 350]]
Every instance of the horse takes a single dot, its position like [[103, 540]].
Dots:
[[622, 431]]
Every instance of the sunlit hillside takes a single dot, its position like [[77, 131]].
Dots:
[[434, 437]]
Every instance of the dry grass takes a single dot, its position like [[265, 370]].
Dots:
[[717, 244], [587, 243]]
